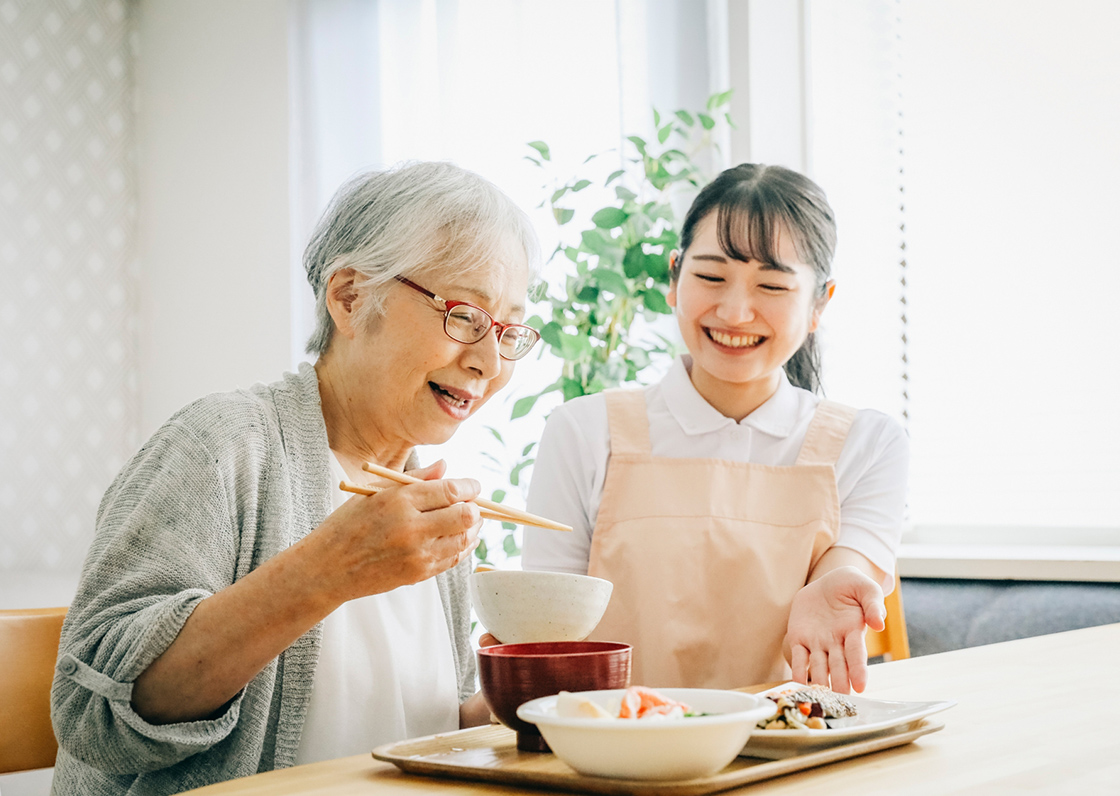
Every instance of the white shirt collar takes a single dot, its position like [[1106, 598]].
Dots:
[[778, 416]]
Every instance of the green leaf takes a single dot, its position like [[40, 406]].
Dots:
[[526, 449], [610, 217], [541, 147], [496, 433], [624, 193], [498, 495], [523, 406], [572, 389], [590, 158], [656, 118], [614, 176], [515, 473], [536, 321], [686, 117], [562, 215], [509, 544], [579, 186], [655, 300], [657, 266], [707, 121], [481, 551], [509, 526], [559, 192], [551, 334], [729, 122], [633, 261], [574, 346], [594, 242], [664, 133], [638, 143], [611, 281], [588, 293]]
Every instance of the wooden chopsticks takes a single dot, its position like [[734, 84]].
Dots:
[[346, 486], [490, 509]]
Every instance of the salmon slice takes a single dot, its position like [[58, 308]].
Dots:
[[640, 701]]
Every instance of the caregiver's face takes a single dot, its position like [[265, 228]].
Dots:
[[742, 321], [428, 382]]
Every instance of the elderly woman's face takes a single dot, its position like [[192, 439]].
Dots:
[[415, 380]]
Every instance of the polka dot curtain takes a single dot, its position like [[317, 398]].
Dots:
[[68, 394]]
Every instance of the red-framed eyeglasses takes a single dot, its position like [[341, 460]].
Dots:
[[466, 323]]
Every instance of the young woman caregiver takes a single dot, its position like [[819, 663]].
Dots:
[[748, 526]]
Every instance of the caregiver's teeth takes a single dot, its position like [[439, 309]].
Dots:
[[736, 340]]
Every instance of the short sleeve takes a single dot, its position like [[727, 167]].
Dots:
[[872, 476], [567, 477]]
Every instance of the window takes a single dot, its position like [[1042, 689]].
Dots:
[[969, 150]]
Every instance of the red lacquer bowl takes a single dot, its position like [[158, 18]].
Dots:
[[512, 674]]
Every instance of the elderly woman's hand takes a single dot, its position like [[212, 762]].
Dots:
[[402, 535], [826, 628]]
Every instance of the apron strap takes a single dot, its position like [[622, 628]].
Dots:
[[827, 431], [628, 422]]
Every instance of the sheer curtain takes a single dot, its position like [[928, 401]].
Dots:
[[970, 151], [473, 82]]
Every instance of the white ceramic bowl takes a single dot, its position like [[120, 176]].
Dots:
[[517, 607], [652, 749]]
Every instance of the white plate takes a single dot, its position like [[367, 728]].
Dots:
[[875, 716]]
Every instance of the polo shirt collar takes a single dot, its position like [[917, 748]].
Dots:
[[777, 417]]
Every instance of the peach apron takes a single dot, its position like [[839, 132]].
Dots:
[[706, 555]]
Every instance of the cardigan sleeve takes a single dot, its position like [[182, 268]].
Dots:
[[457, 609], [167, 537]]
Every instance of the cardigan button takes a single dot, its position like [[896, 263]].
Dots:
[[68, 666]]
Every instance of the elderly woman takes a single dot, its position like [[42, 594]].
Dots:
[[236, 612]]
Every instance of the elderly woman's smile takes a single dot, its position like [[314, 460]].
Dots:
[[402, 380]]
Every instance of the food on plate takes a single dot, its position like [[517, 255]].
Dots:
[[570, 706], [807, 708], [638, 702]]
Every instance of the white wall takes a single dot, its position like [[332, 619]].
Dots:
[[213, 227]]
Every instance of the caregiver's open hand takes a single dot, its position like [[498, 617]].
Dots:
[[824, 636]]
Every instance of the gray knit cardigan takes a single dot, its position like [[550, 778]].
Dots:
[[225, 484]]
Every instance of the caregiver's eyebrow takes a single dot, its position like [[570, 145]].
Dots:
[[719, 258]]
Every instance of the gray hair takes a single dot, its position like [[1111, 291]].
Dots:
[[413, 219]]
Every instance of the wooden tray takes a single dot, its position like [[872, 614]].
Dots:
[[490, 754]]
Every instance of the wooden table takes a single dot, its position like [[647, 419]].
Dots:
[[1038, 715]]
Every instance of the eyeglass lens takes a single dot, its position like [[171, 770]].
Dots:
[[470, 324]]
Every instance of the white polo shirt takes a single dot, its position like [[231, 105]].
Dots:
[[571, 465]]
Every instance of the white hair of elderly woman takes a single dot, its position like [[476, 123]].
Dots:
[[412, 219]]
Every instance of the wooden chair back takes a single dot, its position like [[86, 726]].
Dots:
[[891, 642], [28, 650]]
